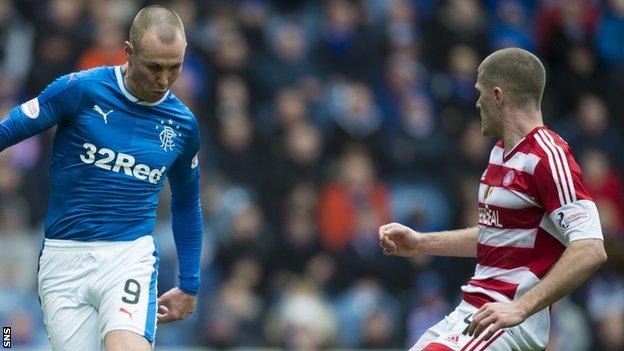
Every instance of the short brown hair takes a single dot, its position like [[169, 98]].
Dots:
[[517, 70], [166, 21]]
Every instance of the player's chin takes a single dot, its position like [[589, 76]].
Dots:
[[156, 95]]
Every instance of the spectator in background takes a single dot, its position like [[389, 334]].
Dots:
[[247, 235], [302, 319], [611, 54], [237, 155], [296, 156], [412, 134], [193, 85], [416, 139], [362, 321], [611, 33], [347, 46], [592, 128], [231, 96], [356, 117], [231, 51], [106, 50], [320, 270], [253, 15], [63, 34], [402, 30], [26, 332], [579, 76], [403, 75], [471, 154], [605, 184], [427, 305], [561, 24], [605, 303], [233, 312], [570, 328], [288, 107], [455, 85], [299, 234], [511, 26], [286, 63], [451, 90], [15, 46], [353, 204], [227, 54], [55, 56], [456, 22]]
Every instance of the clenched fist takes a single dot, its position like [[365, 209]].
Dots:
[[398, 240]]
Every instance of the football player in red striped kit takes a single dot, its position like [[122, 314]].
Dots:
[[538, 235]]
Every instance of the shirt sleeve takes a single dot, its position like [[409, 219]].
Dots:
[[186, 214], [56, 104], [561, 191]]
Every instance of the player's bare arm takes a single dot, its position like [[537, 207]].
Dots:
[[580, 259], [174, 305], [398, 240]]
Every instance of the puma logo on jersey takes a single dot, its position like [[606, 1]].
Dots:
[[123, 310], [122, 161], [104, 114]]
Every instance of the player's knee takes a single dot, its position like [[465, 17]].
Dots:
[[124, 340]]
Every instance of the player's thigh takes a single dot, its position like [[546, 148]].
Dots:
[[123, 340], [456, 338], [442, 327], [429, 336], [71, 321], [70, 325], [128, 291]]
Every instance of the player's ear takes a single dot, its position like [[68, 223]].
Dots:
[[498, 95], [128, 50]]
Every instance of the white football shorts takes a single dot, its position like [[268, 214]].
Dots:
[[451, 334], [87, 289]]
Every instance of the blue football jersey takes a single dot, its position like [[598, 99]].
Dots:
[[111, 154]]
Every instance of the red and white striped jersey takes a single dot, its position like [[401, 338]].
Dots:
[[532, 204]]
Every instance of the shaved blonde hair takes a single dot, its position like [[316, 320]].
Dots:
[[520, 73], [167, 23]]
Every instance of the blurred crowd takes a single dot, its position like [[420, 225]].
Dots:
[[321, 120]]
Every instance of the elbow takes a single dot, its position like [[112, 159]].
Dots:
[[593, 251], [602, 256], [599, 254]]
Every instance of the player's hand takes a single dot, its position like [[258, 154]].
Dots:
[[174, 305], [498, 315], [398, 240]]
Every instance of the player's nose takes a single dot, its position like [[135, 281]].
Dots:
[[162, 80]]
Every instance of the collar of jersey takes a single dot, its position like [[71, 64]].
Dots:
[[122, 87], [507, 156]]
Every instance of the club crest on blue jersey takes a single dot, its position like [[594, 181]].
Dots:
[[168, 134]]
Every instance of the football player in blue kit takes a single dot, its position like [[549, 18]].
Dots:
[[120, 134]]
